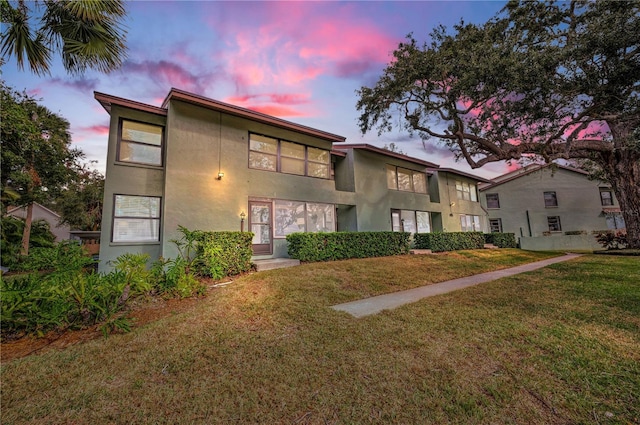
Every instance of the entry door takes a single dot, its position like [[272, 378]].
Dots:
[[260, 223]]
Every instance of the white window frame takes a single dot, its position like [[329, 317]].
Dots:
[[121, 221], [393, 182], [466, 191], [470, 223]]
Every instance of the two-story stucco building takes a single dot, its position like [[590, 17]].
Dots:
[[209, 165], [539, 201]]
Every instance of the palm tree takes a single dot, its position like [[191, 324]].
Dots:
[[87, 34]]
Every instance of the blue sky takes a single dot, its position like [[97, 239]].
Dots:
[[300, 61]]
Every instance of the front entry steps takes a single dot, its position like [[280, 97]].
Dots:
[[275, 263]]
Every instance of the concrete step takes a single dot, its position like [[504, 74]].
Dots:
[[275, 263], [420, 251], [490, 246]]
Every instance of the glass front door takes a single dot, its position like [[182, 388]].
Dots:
[[260, 224]]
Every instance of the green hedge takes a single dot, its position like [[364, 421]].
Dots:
[[501, 240], [343, 245], [451, 241], [223, 254]]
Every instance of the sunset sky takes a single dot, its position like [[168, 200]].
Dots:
[[300, 61]]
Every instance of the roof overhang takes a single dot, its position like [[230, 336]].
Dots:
[[227, 108], [107, 100], [463, 174], [386, 152]]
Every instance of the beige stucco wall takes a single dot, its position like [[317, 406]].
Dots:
[[451, 207]]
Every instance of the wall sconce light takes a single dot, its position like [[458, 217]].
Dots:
[[242, 217], [452, 204], [220, 175]]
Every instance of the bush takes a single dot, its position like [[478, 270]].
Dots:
[[11, 243], [66, 255], [612, 240], [438, 242], [344, 245], [501, 240], [171, 278], [223, 254]]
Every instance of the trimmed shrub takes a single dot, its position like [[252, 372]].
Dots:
[[343, 245], [501, 240], [439, 242], [221, 254]]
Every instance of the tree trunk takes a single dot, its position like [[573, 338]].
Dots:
[[622, 169], [26, 233]]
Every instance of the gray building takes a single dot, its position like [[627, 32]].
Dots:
[[208, 165], [542, 201]]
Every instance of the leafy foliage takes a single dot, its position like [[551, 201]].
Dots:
[[80, 202], [451, 241], [224, 253], [343, 245], [612, 240], [542, 80], [12, 230], [501, 240], [87, 34], [36, 153]]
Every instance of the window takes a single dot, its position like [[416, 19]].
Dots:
[[495, 225], [493, 201], [606, 197], [554, 224], [295, 216], [268, 153], [410, 221], [466, 191], [140, 143], [615, 221], [470, 223], [136, 219], [550, 199], [406, 180]]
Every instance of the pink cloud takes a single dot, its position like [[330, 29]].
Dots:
[[297, 42], [166, 74]]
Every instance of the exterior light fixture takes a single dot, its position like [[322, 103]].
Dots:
[[242, 217], [220, 175]]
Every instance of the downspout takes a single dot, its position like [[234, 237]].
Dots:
[[529, 224]]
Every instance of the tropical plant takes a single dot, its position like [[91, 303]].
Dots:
[[86, 34]]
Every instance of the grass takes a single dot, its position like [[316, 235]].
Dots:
[[558, 345]]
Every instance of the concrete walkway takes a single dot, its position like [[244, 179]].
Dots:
[[375, 305]]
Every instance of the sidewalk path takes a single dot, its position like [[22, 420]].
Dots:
[[375, 305]]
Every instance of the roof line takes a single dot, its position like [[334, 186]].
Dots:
[[533, 169], [386, 152], [106, 100], [248, 113], [9, 211], [462, 173]]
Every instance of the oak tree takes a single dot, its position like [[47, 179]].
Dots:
[[541, 80]]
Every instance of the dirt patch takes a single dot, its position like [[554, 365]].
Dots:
[[140, 314]]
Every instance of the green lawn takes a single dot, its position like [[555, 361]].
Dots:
[[558, 345]]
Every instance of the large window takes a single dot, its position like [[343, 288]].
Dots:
[[466, 191], [493, 201], [136, 219], [550, 199], [615, 221], [606, 197], [470, 223], [140, 143], [268, 153], [406, 180], [295, 216], [554, 224], [410, 221]]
